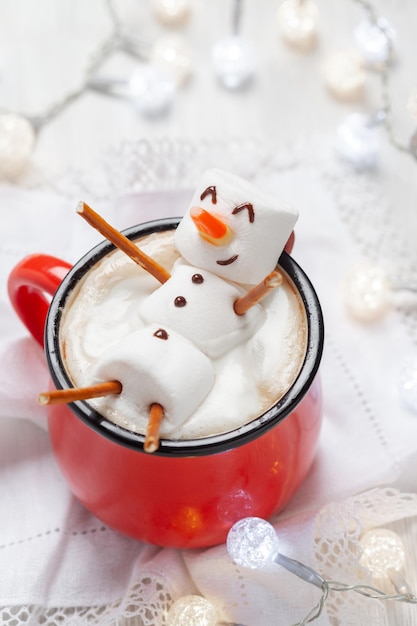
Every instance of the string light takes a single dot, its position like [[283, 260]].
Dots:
[[374, 40], [233, 58], [408, 383], [194, 610], [368, 291], [163, 67], [17, 139], [252, 542], [172, 12], [383, 554], [344, 74], [358, 140], [298, 22], [166, 65]]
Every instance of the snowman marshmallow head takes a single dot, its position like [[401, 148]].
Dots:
[[233, 229]]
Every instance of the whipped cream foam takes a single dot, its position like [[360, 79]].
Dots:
[[248, 367]]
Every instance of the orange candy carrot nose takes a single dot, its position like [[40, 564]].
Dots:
[[210, 227]]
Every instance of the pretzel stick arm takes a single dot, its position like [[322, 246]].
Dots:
[[152, 433], [64, 396], [123, 243], [257, 293]]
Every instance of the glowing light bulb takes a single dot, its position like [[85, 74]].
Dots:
[[172, 12], [382, 550], [383, 553], [367, 292], [358, 141], [17, 141], [344, 75], [172, 56], [298, 22], [233, 61], [192, 611]]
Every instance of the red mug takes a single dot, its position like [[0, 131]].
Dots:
[[188, 493]]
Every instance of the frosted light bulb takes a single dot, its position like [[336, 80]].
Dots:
[[367, 292], [344, 75], [382, 550], [298, 22], [252, 542], [17, 140], [375, 40], [151, 90], [408, 384], [358, 141], [233, 61], [192, 611]]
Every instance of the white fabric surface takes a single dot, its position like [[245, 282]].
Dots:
[[58, 564], [55, 554]]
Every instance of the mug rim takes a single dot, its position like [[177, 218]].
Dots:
[[198, 446]]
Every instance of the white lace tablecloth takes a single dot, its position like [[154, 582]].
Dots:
[[60, 564]]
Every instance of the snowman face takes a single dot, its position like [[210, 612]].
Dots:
[[233, 229]]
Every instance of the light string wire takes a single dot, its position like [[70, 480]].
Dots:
[[310, 575], [253, 542], [117, 40], [122, 39], [364, 590], [384, 74]]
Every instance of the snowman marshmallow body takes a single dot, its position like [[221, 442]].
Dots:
[[198, 305]]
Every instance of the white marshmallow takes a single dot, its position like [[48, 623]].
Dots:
[[257, 244], [156, 364], [204, 312]]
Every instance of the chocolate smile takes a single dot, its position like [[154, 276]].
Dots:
[[228, 261]]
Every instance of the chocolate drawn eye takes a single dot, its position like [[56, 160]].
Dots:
[[197, 279], [210, 191], [250, 209], [161, 333], [180, 301]]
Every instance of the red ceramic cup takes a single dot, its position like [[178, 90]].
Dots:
[[188, 493]]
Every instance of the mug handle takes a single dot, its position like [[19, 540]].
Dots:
[[28, 285]]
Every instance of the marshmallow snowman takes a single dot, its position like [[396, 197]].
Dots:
[[233, 229], [157, 365], [230, 238]]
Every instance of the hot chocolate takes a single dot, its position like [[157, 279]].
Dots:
[[111, 304]]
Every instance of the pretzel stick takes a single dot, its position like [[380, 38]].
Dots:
[[123, 243], [254, 295], [63, 396], [152, 432]]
